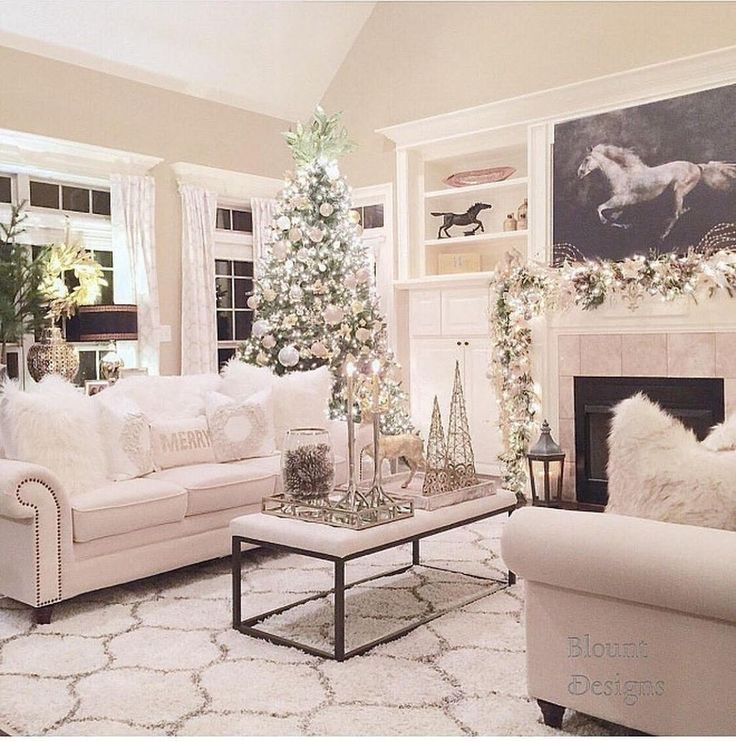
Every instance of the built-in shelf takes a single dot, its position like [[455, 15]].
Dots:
[[452, 241], [449, 279], [482, 187]]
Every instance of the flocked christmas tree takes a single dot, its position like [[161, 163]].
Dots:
[[314, 296]]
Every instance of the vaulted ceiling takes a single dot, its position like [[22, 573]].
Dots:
[[276, 58]]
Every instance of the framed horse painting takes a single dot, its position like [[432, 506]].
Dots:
[[650, 178]]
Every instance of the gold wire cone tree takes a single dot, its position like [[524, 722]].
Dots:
[[436, 479], [460, 458], [314, 295]]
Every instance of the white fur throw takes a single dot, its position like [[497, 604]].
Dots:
[[657, 469], [241, 380], [301, 399], [55, 426], [722, 436]]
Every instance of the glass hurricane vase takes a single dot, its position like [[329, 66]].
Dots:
[[308, 464]]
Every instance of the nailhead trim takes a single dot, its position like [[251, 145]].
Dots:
[[37, 537]]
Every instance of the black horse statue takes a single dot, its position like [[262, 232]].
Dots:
[[466, 219]]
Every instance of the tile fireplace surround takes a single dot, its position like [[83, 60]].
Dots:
[[680, 340]]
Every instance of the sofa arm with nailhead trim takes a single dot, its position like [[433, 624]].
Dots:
[[35, 533]]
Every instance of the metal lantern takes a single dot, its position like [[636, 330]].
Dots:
[[546, 467]]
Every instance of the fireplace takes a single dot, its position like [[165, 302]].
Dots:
[[697, 402]]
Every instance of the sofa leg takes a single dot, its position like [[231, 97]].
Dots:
[[42, 615], [551, 713]]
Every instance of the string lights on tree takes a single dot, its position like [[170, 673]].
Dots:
[[314, 297]]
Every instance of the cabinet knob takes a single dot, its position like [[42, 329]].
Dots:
[[466, 343], [459, 343]]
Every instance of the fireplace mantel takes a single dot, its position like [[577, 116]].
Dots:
[[671, 340]]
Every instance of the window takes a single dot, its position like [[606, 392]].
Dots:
[[6, 189], [233, 286], [73, 198], [234, 220], [371, 217]]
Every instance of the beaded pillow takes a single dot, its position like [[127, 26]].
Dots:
[[181, 442], [240, 429]]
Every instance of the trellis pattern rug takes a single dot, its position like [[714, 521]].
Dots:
[[158, 656]]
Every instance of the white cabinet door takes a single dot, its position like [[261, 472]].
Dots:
[[432, 368], [425, 312], [480, 401], [464, 311]]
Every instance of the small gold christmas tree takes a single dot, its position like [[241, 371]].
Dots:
[[436, 479], [460, 458]]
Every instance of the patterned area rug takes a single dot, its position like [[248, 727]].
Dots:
[[158, 656]]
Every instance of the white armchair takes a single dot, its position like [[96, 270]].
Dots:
[[629, 620]]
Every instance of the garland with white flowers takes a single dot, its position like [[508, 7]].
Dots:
[[520, 292]]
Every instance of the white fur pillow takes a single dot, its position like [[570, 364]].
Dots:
[[301, 399], [240, 429], [722, 436], [181, 442], [55, 426], [241, 380], [657, 469], [126, 438], [167, 397]]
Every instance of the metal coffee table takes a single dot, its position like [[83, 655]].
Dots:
[[339, 546]]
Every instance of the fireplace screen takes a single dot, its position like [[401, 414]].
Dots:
[[697, 402]]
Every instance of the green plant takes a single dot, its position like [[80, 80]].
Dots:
[[22, 302]]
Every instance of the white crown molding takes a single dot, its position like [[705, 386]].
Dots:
[[622, 89], [62, 159], [228, 184]]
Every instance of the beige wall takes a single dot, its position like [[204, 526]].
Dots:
[[413, 60], [52, 98]]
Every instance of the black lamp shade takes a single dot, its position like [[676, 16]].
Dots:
[[103, 323]]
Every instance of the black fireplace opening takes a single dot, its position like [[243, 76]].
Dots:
[[697, 402]]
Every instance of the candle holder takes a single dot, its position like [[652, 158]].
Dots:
[[353, 499]]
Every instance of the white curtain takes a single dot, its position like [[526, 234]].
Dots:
[[263, 210], [132, 207], [198, 319]]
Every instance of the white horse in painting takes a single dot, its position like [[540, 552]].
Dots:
[[634, 182]]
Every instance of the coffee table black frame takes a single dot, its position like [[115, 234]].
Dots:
[[247, 626]]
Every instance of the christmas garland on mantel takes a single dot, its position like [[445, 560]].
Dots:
[[522, 291]]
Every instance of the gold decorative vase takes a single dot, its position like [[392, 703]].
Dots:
[[52, 355]]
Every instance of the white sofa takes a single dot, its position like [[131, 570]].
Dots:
[[55, 545], [661, 594]]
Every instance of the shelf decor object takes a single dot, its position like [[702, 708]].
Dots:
[[546, 468], [469, 218], [477, 177]]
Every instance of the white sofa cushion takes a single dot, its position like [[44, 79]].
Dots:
[[217, 486], [658, 469], [125, 506], [57, 427], [126, 436], [240, 429], [168, 397], [181, 442]]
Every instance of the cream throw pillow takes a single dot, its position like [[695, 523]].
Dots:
[[240, 429], [126, 434], [301, 399], [181, 442], [55, 426]]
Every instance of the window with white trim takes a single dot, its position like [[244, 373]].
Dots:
[[51, 206], [234, 272]]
